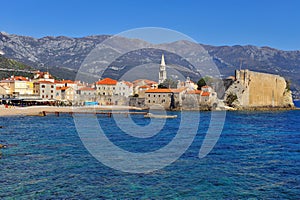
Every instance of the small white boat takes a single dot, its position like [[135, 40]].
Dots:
[[150, 115]]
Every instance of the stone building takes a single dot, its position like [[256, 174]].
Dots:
[[85, 94], [105, 89], [255, 89], [166, 98]]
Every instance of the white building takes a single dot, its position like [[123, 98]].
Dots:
[[124, 88], [45, 89]]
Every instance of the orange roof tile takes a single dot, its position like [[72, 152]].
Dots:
[[194, 92], [87, 88], [107, 81], [164, 90], [64, 81], [206, 94], [128, 83], [62, 88], [206, 86], [17, 78], [145, 87]]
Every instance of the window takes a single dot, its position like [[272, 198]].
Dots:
[[159, 95], [43, 86], [149, 101], [42, 96], [51, 91], [51, 96], [153, 95], [46, 96], [43, 91], [52, 86], [149, 96]]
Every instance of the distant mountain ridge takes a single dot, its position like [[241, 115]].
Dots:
[[64, 55]]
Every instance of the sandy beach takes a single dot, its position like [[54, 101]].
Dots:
[[37, 110]]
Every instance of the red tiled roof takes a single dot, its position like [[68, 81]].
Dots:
[[62, 88], [194, 92], [206, 94], [145, 86], [20, 78], [17, 78], [206, 86], [128, 83], [65, 81], [164, 90], [87, 88], [107, 81]]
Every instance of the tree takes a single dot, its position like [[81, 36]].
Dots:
[[168, 83], [160, 86], [204, 81]]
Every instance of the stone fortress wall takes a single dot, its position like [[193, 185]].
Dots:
[[255, 89]]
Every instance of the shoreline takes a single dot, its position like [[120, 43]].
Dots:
[[37, 110]]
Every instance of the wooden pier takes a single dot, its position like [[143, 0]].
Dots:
[[108, 114]]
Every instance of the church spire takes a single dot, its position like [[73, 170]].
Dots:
[[162, 63], [162, 76]]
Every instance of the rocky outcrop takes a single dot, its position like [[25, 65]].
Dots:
[[254, 90]]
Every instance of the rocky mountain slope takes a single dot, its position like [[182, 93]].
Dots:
[[9, 67], [63, 56]]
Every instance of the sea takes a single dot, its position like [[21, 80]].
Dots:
[[257, 156]]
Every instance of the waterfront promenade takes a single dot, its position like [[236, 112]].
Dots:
[[37, 110]]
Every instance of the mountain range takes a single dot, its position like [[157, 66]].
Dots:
[[132, 58]]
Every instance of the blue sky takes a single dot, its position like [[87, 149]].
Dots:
[[224, 22]]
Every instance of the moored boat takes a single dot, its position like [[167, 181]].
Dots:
[[150, 115]]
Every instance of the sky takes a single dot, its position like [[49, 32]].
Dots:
[[216, 22]]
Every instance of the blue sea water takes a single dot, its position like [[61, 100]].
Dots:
[[297, 103], [256, 157]]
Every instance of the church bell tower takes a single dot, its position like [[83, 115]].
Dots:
[[162, 76]]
